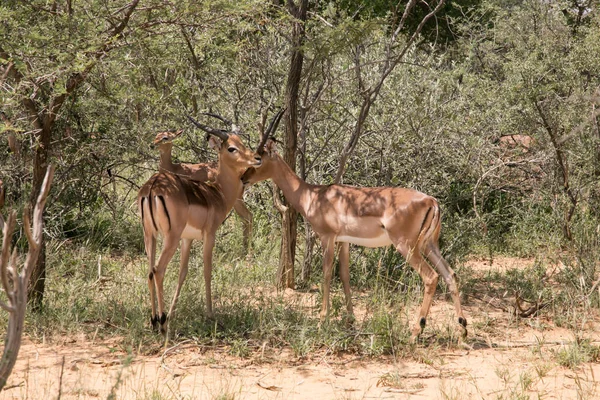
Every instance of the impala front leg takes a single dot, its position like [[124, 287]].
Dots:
[[345, 275], [246, 216], [209, 243], [328, 255]]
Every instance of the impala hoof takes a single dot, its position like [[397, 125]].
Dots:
[[463, 323], [417, 330], [154, 322], [163, 323]]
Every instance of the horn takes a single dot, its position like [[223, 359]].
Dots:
[[270, 131], [221, 134]]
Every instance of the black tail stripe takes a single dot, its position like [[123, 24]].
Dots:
[[423, 223], [150, 202], [162, 200]]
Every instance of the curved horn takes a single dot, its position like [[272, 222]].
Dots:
[[270, 131], [223, 135]]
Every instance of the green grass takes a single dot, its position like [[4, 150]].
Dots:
[[251, 315]]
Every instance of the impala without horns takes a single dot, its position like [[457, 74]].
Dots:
[[366, 216], [181, 209]]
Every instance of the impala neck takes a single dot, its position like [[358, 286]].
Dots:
[[166, 162], [229, 181], [296, 191]]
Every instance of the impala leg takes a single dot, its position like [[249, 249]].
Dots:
[[169, 247], [345, 275], [150, 244], [246, 216], [435, 257], [328, 255], [430, 280], [209, 244], [186, 245]]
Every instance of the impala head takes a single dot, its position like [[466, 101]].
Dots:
[[268, 167], [232, 151], [267, 151], [165, 138]]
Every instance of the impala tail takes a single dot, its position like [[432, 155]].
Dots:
[[430, 228], [151, 204]]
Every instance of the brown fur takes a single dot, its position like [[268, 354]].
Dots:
[[371, 216], [180, 210]]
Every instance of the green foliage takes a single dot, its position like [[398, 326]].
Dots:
[[488, 70]]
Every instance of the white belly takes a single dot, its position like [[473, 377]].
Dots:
[[378, 241], [189, 232]]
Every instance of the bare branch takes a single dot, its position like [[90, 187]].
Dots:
[[276, 201], [38, 223], [27, 227], [6, 307], [371, 93], [17, 294], [9, 228]]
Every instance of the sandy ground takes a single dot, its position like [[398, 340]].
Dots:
[[514, 361]]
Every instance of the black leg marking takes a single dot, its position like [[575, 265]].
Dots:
[[462, 321], [142, 207], [163, 318], [154, 321], [423, 322], [151, 275]]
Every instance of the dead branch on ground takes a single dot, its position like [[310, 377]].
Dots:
[[15, 280]]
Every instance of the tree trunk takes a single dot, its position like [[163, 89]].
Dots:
[[285, 274], [37, 283]]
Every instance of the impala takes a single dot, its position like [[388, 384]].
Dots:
[[366, 216], [181, 209], [205, 172]]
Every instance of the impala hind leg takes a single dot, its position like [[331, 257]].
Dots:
[[430, 280], [170, 244], [186, 246], [150, 244], [328, 245], [435, 257], [345, 276]]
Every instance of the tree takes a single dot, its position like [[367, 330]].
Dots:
[[42, 85], [370, 92], [289, 222]]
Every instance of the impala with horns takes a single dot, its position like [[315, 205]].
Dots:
[[205, 172], [181, 209], [366, 216]]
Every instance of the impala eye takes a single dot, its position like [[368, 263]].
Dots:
[[232, 149], [164, 139]]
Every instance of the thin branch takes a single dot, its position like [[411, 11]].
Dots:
[[27, 228], [6, 307], [276, 201], [9, 228], [38, 223]]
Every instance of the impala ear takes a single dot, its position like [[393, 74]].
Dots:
[[215, 143], [271, 146]]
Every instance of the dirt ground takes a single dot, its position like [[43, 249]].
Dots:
[[515, 361]]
